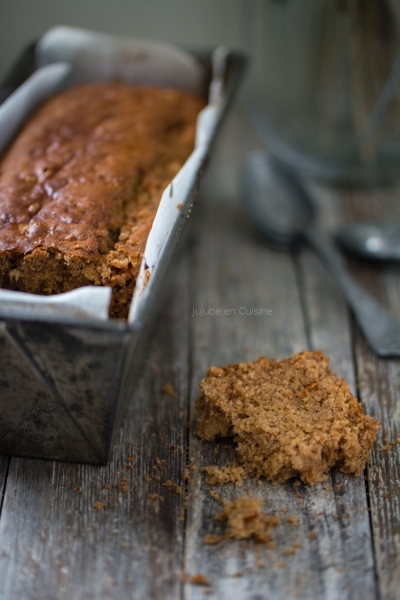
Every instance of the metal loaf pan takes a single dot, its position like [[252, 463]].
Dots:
[[66, 377]]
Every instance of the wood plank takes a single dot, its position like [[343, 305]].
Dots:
[[233, 268], [329, 327], [54, 543], [379, 387], [4, 463]]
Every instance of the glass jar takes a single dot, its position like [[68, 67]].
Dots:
[[324, 89]]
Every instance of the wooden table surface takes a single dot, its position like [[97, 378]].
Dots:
[[81, 532]]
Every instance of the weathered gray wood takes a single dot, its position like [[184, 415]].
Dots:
[[379, 385], [4, 462], [53, 541], [329, 327], [233, 268]]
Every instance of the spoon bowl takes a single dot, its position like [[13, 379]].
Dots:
[[377, 241]]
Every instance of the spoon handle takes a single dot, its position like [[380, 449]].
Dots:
[[381, 330]]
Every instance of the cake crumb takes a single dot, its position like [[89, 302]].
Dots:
[[160, 463], [245, 520], [168, 484], [290, 418], [215, 495], [389, 446], [124, 485], [293, 520], [199, 579], [223, 475], [157, 497], [280, 564], [212, 538], [169, 390], [290, 550], [99, 505], [78, 489], [311, 535], [339, 486]]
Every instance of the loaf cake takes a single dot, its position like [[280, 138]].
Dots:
[[290, 418], [81, 184]]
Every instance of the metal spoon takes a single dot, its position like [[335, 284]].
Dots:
[[379, 241], [284, 213]]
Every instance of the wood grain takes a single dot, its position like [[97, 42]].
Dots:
[[54, 543], [329, 325], [378, 382], [4, 463], [232, 267]]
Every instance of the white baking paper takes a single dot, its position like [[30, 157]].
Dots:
[[89, 301], [100, 57]]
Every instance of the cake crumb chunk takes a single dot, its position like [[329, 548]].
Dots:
[[245, 520], [222, 475], [289, 418]]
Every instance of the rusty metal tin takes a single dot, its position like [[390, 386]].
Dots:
[[65, 381]]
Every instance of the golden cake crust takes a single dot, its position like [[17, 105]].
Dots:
[[80, 186], [290, 418]]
